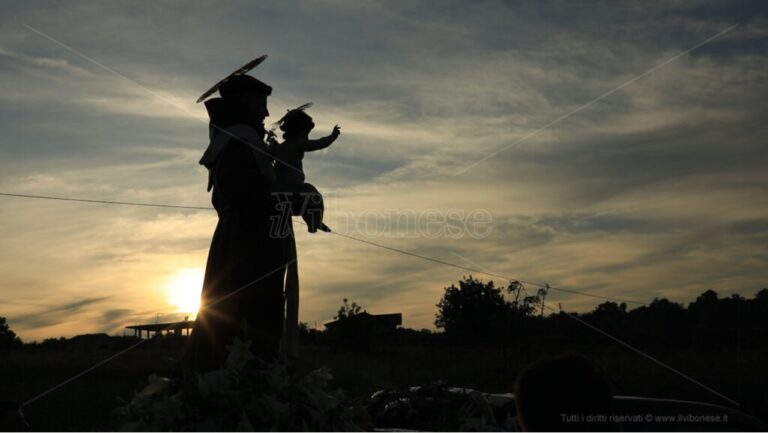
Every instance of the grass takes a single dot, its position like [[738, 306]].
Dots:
[[86, 403]]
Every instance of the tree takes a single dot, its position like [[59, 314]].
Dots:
[[762, 296], [348, 310], [8, 338], [523, 304], [473, 311], [308, 334], [533, 303], [349, 332], [610, 317]]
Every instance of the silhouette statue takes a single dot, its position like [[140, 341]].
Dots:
[[303, 198], [245, 280]]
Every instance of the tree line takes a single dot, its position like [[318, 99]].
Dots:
[[480, 312], [477, 312]]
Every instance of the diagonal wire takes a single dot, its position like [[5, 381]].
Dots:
[[480, 271], [350, 237], [625, 344], [604, 95], [88, 370], [397, 250], [366, 241], [82, 373], [155, 94], [69, 48], [645, 355], [211, 304], [83, 200]]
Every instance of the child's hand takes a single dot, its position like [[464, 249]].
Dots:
[[336, 131], [271, 139]]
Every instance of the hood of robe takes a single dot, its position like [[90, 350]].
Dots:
[[228, 120]]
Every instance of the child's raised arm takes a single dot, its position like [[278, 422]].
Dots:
[[322, 143]]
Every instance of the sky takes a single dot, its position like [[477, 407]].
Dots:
[[613, 148]]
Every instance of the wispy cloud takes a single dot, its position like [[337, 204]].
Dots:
[[657, 190], [57, 65], [56, 314]]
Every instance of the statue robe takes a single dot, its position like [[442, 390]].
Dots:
[[243, 290]]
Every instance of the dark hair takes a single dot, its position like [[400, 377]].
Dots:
[[241, 85], [550, 390], [296, 122]]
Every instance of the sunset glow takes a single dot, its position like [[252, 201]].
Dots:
[[612, 150], [184, 289]]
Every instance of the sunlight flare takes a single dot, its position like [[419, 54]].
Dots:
[[184, 288]]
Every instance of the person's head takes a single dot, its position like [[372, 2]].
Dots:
[[296, 123], [249, 92], [551, 390]]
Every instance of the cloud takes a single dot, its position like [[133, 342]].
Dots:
[[655, 190], [55, 314], [114, 314], [57, 64]]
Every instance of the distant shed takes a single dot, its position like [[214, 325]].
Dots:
[[373, 322], [176, 328]]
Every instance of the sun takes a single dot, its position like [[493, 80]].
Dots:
[[184, 289]]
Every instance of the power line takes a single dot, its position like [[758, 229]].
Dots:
[[99, 364], [645, 355], [628, 346], [368, 242], [82, 373], [480, 271], [365, 241], [83, 200]]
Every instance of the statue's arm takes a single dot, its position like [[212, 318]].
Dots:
[[324, 142], [320, 143]]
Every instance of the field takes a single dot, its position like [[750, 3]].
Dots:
[[86, 403]]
